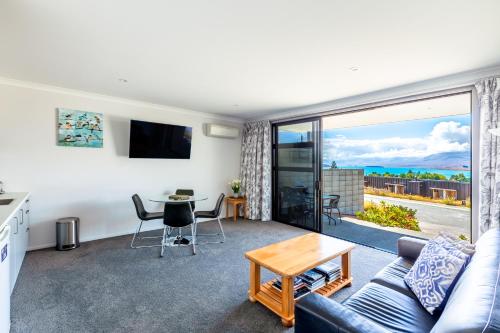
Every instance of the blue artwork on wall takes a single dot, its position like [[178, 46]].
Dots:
[[79, 128]]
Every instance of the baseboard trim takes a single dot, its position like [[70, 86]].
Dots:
[[41, 247], [93, 238], [90, 238]]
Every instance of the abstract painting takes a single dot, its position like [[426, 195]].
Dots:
[[79, 128]]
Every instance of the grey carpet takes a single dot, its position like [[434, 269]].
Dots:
[[104, 286]]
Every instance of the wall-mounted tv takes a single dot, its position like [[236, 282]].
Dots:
[[155, 140]]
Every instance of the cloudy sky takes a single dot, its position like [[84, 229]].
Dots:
[[374, 144]]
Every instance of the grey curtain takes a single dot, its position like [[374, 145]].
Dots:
[[255, 169], [488, 92]]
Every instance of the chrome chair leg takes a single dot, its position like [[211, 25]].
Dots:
[[193, 235], [137, 231], [137, 236], [221, 234], [163, 241], [193, 230], [221, 230]]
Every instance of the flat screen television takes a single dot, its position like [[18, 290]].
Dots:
[[155, 140]]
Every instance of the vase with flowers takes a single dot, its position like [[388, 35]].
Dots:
[[235, 187]]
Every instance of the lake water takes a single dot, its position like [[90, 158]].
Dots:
[[397, 171]]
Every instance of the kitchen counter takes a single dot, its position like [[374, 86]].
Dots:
[[7, 211]]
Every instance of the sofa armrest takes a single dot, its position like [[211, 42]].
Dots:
[[410, 247], [315, 313]]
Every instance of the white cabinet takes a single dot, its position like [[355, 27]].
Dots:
[[19, 238], [26, 225], [14, 231], [23, 234]]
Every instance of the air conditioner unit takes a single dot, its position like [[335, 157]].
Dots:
[[222, 131]]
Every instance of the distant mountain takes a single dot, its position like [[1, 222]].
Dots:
[[451, 160]]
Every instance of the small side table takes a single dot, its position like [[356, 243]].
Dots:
[[236, 202]]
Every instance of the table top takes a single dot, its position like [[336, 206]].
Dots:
[[229, 198], [297, 255], [165, 198]]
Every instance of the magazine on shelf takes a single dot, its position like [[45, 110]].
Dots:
[[299, 292], [311, 276], [330, 270], [297, 283], [328, 267], [313, 280]]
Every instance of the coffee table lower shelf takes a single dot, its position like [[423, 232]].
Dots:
[[271, 297], [289, 259]]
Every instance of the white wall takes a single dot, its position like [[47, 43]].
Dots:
[[96, 184]]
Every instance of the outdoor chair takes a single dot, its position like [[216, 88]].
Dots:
[[331, 208]]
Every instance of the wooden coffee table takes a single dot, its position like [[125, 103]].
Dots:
[[289, 259]]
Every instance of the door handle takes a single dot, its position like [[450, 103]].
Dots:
[[17, 225], [22, 215]]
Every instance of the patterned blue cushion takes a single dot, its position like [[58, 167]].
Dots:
[[452, 248], [462, 245], [433, 275]]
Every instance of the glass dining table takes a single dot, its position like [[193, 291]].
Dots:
[[165, 198], [168, 199]]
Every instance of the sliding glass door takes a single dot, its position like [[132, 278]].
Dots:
[[296, 173], [397, 170], [381, 173]]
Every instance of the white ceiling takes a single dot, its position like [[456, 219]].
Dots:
[[422, 109], [452, 105], [244, 58]]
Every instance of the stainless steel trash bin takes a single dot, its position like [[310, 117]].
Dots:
[[67, 233]]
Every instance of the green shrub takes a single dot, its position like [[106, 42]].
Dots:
[[460, 178], [389, 215], [421, 175]]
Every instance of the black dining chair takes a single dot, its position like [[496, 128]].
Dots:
[[143, 215], [211, 214], [177, 215], [186, 191], [333, 205]]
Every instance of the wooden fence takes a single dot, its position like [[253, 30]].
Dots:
[[420, 187]]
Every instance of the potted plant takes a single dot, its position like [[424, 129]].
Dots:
[[235, 186]]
